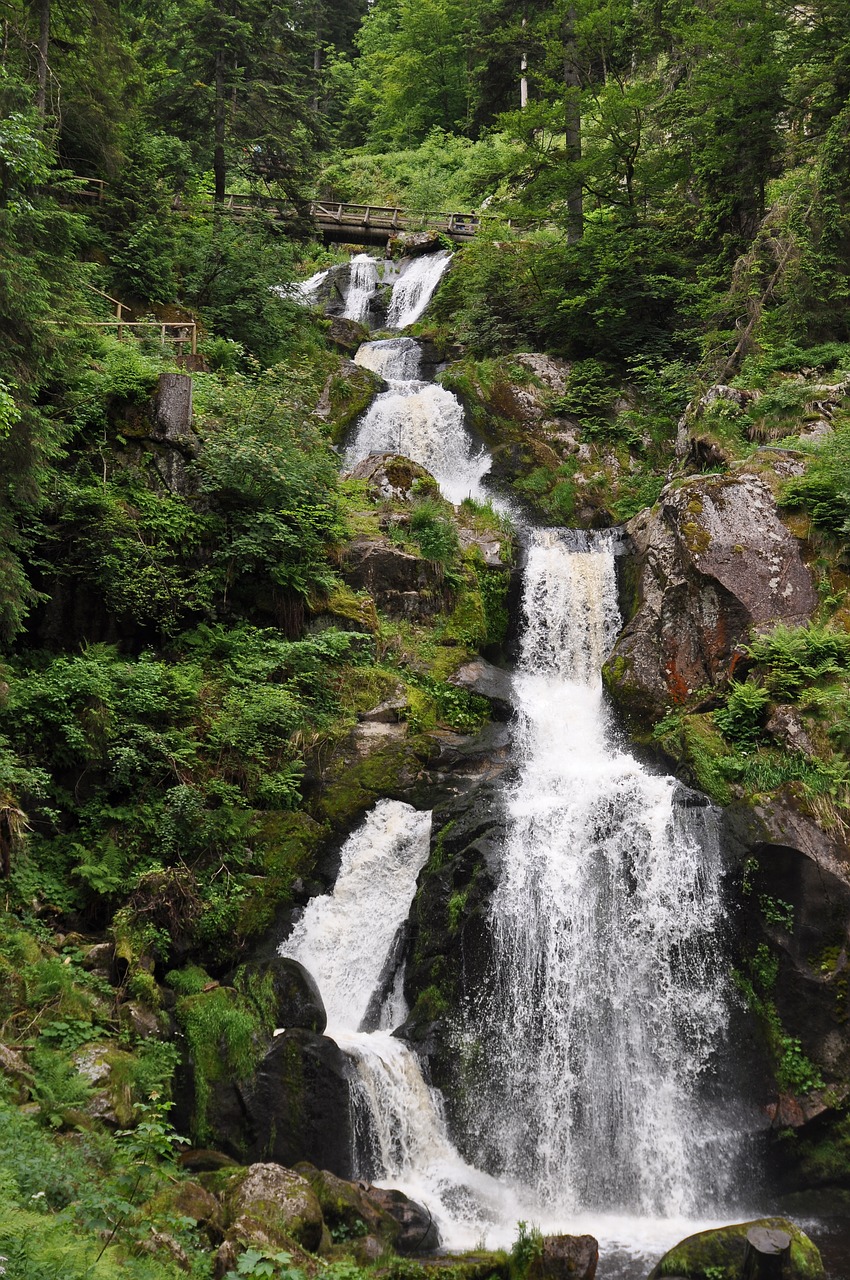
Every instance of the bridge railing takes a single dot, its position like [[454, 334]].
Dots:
[[327, 214]]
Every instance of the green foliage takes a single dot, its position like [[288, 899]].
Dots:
[[795, 657], [226, 1039], [742, 718], [527, 1247], [263, 1262], [777, 912], [433, 532], [823, 491]]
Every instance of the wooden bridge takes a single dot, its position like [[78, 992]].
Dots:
[[340, 223], [336, 222]]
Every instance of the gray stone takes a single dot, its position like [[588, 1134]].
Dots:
[[565, 1258], [401, 584], [270, 1205], [391, 476], [417, 1232], [712, 561], [481, 677]]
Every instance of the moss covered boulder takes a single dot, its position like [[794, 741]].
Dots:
[[719, 1254], [269, 1205]]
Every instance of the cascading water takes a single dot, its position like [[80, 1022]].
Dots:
[[361, 288], [345, 940], [609, 1000], [420, 420], [414, 288], [608, 1003]]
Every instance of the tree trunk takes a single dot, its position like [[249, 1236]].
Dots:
[[43, 50], [219, 162], [768, 1252], [572, 127], [523, 79]]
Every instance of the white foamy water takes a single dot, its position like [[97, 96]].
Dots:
[[610, 1002], [344, 938], [420, 420], [305, 290], [362, 286], [415, 287]]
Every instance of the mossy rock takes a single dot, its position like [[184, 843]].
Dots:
[[352, 784], [287, 843], [348, 1212], [719, 1254], [227, 1037], [269, 1205]]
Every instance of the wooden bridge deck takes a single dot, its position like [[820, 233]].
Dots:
[[336, 222], [343, 223]]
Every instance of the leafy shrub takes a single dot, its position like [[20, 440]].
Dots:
[[824, 491], [434, 532], [742, 718], [795, 657]]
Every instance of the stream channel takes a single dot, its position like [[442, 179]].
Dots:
[[609, 1102]]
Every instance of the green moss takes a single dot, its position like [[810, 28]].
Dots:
[[349, 394], [352, 785], [719, 1254], [227, 1037], [827, 1161]]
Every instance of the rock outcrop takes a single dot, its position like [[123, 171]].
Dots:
[[401, 584], [565, 1258], [722, 1252], [712, 560], [297, 1105]]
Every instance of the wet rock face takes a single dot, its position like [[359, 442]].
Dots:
[[298, 1002], [401, 584], [450, 952], [297, 1106], [417, 1231], [712, 560]]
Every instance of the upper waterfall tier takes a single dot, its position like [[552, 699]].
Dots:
[[414, 289], [420, 420]]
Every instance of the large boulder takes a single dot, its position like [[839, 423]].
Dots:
[[712, 560], [298, 1103], [450, 952], [350, 1210], [565, 1258], [269, 1205], [297, 999], [417, 1230], [391, 476], [401, 584], [721, 1252]]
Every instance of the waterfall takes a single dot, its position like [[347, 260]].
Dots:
[[420, 420], [414, 288], [609, 1000], [304, 291], [345, 940], [361, 288], [607, 1008]]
